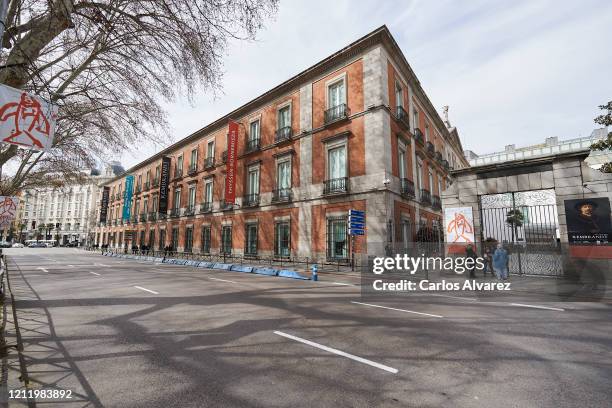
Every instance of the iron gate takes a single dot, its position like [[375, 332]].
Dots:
[[526, 223]]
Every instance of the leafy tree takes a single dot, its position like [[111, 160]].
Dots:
[[515, 218], [109, 65], [605, 144]]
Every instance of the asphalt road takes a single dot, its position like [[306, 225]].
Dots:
[[123, 333]]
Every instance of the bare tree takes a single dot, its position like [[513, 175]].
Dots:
[[108, 64]]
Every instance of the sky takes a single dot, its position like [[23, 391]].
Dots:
[[510, 71]]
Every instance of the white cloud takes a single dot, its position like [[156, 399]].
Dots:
[[512, 72]]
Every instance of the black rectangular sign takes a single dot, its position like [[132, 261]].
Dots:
[[104, 204], [164, 185]]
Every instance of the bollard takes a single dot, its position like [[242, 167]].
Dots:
[[315, 268]]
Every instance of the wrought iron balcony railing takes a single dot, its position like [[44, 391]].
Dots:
[[175, 212], [281, 195], [418, 136], [209, 162], [425, 197], [407, 187], [283, 134], [438, 157], [143, 217], [445, 164], [436, 203], [335, 113], [402, 117], [156, 182], [252, 145], [336, 186], [190, 210], [206, 207], [178, 172], [152, 216], [193, 169], [147, 185], [224, 157], [225, 206], [431, 149], [250, 200]]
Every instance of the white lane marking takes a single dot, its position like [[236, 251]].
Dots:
[[42, 269], [99, 264], [538, 307], [342, 284], [147, 290], [453, 297], [338, 352], [398, 310], [222, 280], [95, 273]]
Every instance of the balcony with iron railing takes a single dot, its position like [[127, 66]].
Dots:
[[134, 219], [193, 169], [156, 182], [250, 200], [445, 164], [143, 217], [175, 212], [190, 210], [402, 117], [147, 185], [336, 186], [436, 203], [209, 162], [178, 172], [281, 195], [283, 134], [431, 149], [425, 197], [225, 206], [206, 207], [252, 145], [153, 216], [438, 157], [407, 188], [335, 113], [418, 136], [138, 188], [224, 157]]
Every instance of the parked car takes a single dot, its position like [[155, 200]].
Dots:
[[5, 244], [37, 245], [17, 245]]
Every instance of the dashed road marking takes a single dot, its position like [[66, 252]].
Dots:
[[398, 310], [147, 290], [95, 273], [222, 280], [538, 307], [338, 352]]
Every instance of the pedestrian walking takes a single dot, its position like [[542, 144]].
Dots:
[[471, 255], [500, 262]]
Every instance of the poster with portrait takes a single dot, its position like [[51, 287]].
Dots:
[[459, 225], [588, 220]]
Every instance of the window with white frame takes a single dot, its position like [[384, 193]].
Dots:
[[284, 117], [177, 199], [336, 93], [431, 181], [419, 174], [402, 162], [254, 131], [283, 177], [415, 118], [426, 132], [253, 182], [210, 149], [251, 239], [208, 191], [192, 198], [399, 95], [336, 161]]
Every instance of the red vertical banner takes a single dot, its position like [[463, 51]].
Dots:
[[231, 165]]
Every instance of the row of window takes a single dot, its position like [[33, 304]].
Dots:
[[337, 239]]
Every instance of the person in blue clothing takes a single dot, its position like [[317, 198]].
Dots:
[[500, 262]]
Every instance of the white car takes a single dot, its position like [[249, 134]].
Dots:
[[17, 245]]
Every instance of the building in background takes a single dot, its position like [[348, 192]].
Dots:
[[355, 131], [64, 214]]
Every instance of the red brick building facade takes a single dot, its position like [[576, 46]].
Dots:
[[354, 131]]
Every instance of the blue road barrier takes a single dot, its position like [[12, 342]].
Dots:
[[286, 273], [242, 268], [224, 266], [205, 264], [265, 271]]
